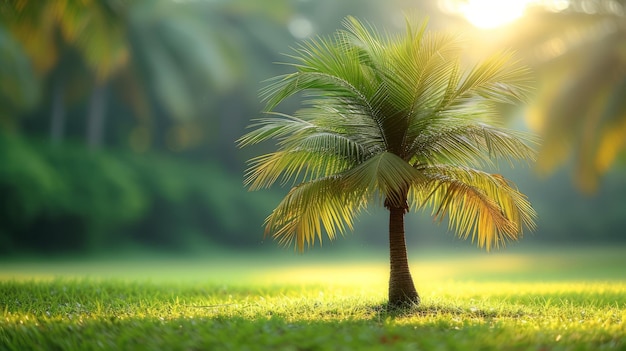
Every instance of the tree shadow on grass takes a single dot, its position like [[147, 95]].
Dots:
[[437, 310]]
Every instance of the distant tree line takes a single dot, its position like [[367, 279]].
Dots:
[[69, 199], [118, 118]]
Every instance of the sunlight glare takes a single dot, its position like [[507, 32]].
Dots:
[[300, 27], [488, 14]]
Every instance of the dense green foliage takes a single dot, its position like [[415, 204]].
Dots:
[[558, 307], [178, 80], [67, 199], [51, 201]]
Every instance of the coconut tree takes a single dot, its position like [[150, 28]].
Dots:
[[48, 33], [582, 116], [394, 120], [172, 51], [19, 87]]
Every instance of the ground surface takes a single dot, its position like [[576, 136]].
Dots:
[[568, 299]]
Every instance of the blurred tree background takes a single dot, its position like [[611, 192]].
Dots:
[[118, 118]]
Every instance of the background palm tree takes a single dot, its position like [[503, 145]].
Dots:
[[19, 87], [169, 54], [52, 32], [392, 119], [580, 111]]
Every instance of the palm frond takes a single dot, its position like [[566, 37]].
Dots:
[[486, 207], [466, 142], [347, 120], [368, 40], [411, 81], [329, 66], [499, 78], [434, 66], [307, 150], [329, 204], [413, 70], [312, 208], [385, 174], [291, 165], [279, 126], [597, 135]]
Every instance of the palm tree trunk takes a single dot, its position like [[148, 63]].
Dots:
[[401, 288], [95, 117], [57, 116]]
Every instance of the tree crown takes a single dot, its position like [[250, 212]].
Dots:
[[395, 118]]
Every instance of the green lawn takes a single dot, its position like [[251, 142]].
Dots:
[[562, 300]]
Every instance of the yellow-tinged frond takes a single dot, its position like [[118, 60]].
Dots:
[[312, 208], [614, 141], [329, 204], [483, 206], [289, 165]]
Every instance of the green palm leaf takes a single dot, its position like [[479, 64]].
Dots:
[[310, 208], [463, 142], [483, 206], [331, 202], [288, 166]]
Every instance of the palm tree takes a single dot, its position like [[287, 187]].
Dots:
[[19, 86], [391, 119], [48, 32], [172, 51], [582, 116]]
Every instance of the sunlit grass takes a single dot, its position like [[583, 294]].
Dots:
[[540, 301]]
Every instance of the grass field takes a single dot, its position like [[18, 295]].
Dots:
[[567, 299]]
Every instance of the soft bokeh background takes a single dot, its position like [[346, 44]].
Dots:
[[118, 121]]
